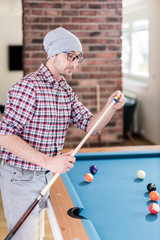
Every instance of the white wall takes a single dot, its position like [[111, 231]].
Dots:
[[11, 34], [148, 95]]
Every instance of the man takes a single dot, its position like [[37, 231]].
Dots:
[[33, 127]]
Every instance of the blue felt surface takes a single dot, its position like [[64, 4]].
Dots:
[[116, 202]]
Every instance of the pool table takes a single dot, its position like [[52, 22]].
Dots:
[[114, 206]]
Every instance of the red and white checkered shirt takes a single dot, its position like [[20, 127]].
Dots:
[[39, 110]]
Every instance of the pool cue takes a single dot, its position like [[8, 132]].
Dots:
[[98, 96], [98, 108], [54, 178]]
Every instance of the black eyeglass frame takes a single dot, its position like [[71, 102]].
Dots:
[[79, 58]]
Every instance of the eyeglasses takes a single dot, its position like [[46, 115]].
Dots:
[[71, 57]]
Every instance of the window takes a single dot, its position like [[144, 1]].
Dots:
[[135, 48]]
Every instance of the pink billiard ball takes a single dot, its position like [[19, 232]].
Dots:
[[154, 208]]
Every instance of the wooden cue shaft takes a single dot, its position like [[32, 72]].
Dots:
[[98, 97], [54, 178], [98, 108]]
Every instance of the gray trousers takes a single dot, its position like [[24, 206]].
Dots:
[[19, 188]]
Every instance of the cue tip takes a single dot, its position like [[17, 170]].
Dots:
[[116, 99]]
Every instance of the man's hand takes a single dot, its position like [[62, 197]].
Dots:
[[61, 163], [121, 100]]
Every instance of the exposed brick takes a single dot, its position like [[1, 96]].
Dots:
[[97, 48], [37, 12], [98, 34], [37, 40], [88, 13], [114, 48], [38, 55], [38, 27], [89, 27], [71, 27], [106, 26], [69, 13], [98, 75], [89, 40], [80, 76], [113, 19], [62, 19], [80, 20], [46, 20], [90, 69], [114, 5], [97, 19], [31, 4], [79, 5], [51, 13], [96, 6], [106, 55], [47, 5], [32, 19], [58, 5]]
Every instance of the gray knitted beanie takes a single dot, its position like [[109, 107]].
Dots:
[[59, 40]]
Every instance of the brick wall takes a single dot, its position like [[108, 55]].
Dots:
[[97, 23]]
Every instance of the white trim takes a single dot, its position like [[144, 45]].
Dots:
[[53, 221], [128, 82]]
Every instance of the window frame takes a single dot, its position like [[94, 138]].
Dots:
[[129, 18]]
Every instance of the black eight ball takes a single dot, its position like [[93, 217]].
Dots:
[[151, 187]]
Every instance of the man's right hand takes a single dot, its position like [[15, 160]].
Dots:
[[61, 163]]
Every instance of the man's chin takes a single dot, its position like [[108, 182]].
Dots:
[[67, 74]]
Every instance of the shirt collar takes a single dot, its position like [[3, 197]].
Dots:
[[50, 78], [46, 72]]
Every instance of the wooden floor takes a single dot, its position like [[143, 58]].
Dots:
[[138, 140], [3, 227]]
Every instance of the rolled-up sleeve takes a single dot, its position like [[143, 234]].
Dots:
[[19, 109], [80, 115]]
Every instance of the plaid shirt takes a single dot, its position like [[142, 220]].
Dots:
[[39, 110]]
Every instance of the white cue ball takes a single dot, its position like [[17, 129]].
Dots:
[[141, 174]]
